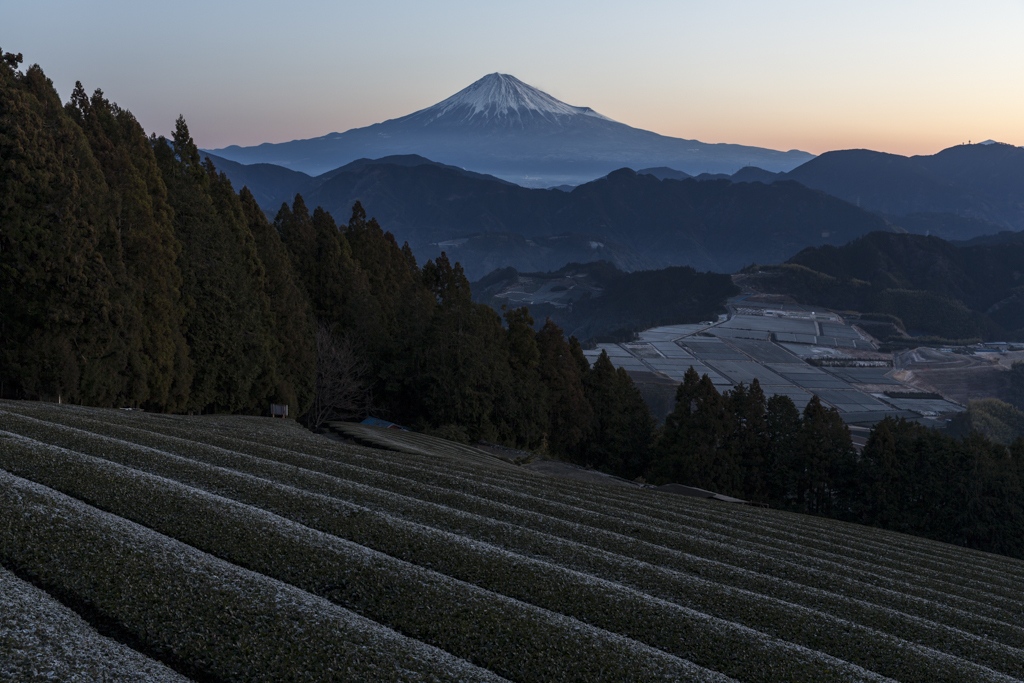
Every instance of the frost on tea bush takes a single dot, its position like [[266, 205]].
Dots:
[[532, 577]]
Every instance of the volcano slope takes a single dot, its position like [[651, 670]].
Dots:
[[239, 548]]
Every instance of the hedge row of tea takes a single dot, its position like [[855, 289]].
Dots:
[[42, 640], [598, 602], [209, 543]]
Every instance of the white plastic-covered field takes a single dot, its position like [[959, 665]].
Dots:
[[232, 548]]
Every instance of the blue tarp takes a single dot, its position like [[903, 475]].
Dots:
[[376, 422]]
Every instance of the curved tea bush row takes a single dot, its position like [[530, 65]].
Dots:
[[913, 550], [944, 557], [898, 551], [209, 617], [506, 636], [526, 579], [542, 495], [734, 546], [601, 603], [972, 615], [42, 640], [244, 430], [969, 563], [757, 533], [862, 549], [925, 608], [419, 443], [754, 541], [734, 542], [443, 477]]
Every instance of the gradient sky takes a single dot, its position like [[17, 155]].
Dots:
[[902, 77]]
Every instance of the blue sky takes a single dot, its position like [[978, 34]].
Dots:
[[904, 77]]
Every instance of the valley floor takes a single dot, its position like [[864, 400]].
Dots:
[[773, 343]]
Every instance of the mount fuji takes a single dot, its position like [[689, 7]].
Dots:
[[506, 128]]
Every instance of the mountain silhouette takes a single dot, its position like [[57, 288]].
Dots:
[[959, 193], [506, 128], [633, 220]]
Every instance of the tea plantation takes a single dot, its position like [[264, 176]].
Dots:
[[137, 546]]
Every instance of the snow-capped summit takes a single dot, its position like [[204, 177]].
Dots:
[[502, 97]]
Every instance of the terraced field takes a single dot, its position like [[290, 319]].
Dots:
[[231, 548]]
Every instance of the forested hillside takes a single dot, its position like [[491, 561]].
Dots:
[[625, 303], [934, 287], [135, 276]]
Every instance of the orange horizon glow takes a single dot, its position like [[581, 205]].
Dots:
[[906, 78]]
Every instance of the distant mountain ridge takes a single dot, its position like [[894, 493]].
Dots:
[[488, 222], [634, 221], [958, 193], [506, 128], [271, 185]]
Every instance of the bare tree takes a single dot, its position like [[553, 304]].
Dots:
[[340, 392]]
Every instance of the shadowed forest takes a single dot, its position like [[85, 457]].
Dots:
[[924, 285], [135, 276]]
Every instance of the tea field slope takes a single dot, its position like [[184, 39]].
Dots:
[[235, 548], [42, 640]]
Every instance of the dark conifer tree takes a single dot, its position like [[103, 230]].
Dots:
[[460, 354], [124, 330], [672, 452], [748, 440], [874, 496], [290, 326], [221, 280], [577, 355], [1017, 456], [623, 425], [400, 359], [632, 458], [521, 408], [61, 302], [991, 509], [826, 457], [570, 417], [782, 426], [337, 287], [345, 297], [295, 226], [921, 481], [1016, 389], [691, 448], [390, 269], [156, 372], [392, 279], [601, 394]]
